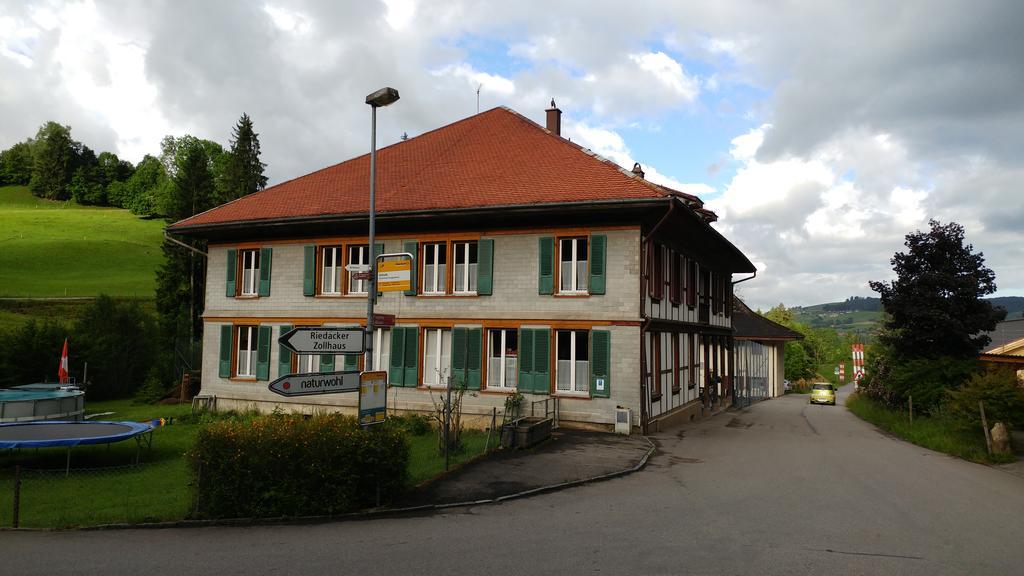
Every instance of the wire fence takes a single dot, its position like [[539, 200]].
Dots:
[[55, 498]]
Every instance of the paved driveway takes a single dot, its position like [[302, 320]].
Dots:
[[782, 488]]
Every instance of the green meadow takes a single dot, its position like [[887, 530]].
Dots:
[[60, 249]]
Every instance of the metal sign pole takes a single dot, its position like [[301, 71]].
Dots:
[[371, 290]]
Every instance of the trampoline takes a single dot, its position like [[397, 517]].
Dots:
[[53, 434]]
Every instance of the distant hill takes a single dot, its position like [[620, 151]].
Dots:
[[862, 315]]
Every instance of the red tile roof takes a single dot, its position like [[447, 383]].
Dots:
[[496, 158]]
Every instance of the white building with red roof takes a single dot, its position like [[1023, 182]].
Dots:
[[540, 268]]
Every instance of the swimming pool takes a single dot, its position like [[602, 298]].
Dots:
[[40, 402]]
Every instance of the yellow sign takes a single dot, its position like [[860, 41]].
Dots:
[[394, 275]]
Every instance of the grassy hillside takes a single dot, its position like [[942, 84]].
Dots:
[[840, 316], [57, 249]]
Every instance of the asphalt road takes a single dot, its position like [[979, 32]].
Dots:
[[781, 488]]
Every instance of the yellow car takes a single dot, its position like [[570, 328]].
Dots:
[[822, 393]]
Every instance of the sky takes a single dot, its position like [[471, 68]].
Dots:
[[820, 132]]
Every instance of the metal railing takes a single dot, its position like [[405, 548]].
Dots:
[[550, 409]]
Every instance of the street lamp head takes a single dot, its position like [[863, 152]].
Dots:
[[382, 97]]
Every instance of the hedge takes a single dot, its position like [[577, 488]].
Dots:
[[292, 465]]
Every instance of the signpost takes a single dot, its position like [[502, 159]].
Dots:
[[394, 275], [373, 396], [386, 320], [323, 341], [310, 384]]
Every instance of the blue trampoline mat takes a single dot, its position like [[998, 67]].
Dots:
[[50, 433]]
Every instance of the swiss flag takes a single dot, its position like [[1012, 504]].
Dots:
[[62, 373]]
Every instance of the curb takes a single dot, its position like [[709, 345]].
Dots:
[[365, 515]]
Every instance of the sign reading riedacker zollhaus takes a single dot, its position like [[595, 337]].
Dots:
[[394, 275], [322, 383], [323, 340]]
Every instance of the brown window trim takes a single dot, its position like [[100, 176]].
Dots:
[[673, 277], [449, 273], [692, 274], [675, 363], [557, 292], [656, 362], [240, 267]]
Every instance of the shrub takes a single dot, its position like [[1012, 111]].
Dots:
[[998, 389], [290, 465], [412, 424], [892, 380]]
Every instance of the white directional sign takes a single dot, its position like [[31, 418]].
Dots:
[[322, 383], [323, 340]]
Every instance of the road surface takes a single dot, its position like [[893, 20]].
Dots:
[[780, 488]]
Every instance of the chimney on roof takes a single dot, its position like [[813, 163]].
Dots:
[[554, 119], [638, 170]]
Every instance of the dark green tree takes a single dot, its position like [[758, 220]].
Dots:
[[139, 193], [244, 171], [116, 339], [934, 306], [87, 185], [16, 164], [113, 168], [52, 161], [31, 353]]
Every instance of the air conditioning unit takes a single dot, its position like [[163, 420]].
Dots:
[[623, 420]]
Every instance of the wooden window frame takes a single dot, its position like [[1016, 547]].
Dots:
[[693, 339], [240, 273], [235, 352], [675, 363], [423, 355], [451, 260], [674, 280], [655, 368], [558, 266], [553, 367], [692, 276], [485, 360]]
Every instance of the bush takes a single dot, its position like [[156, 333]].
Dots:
[[412, 424], [998, 389], [892, 380], [290, 465], [116, 339]]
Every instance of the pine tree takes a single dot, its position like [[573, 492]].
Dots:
[[243, 174]]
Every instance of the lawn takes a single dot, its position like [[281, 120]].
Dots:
[[57, 249], [935, 433], [158, 489]]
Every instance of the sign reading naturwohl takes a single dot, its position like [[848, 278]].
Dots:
[[322, 383], [323, 340], [394, 275], [373, 396]]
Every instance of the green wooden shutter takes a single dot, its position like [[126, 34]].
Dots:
[[600, 363], [412, 350], [525, 360], [542, 361], [396, 371], [598, 255], [474, 353], [412, 247], [484, 267], [546, 265], [284, 355], [263, 354], [459, 377], [327, 362], [225, 351], [265, 262], [351, 362], [309, 270], [230, 289]]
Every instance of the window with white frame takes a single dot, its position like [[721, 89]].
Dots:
[[572, 371], [464, 273], [246, 353], [381, 348], [502, 358], [330, 270], [250, 272], [308, 364], [572, 269], [435, 261], [358, 255], [437, 356]]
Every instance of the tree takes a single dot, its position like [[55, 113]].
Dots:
[[113, 168], [16, 164], [87, 186], [116, 340], [52, 156], [934, 306], [140, 191], [244, 171]]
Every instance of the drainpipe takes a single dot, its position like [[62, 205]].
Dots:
[[645, 320]]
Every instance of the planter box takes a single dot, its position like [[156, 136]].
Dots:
[[508, 435], [531, 431]]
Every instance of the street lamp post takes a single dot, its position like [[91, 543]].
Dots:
[[378, 99]]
